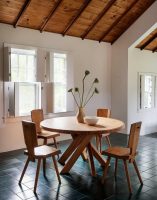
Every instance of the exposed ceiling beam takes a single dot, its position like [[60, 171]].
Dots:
[[22, 11], [154, 50], [82, 8], [43, 26], [149, 41], [102, 13], [117, 21], [149, 3]]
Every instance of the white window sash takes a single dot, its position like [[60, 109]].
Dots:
[[57, 83], [17, 94], [141, 91]]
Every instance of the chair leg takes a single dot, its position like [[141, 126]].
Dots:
[[45, 141], [44, 166], [106, 168], [37, 175], [55, 144], [127, 176], [115, 172], [24, 170], [108, 141], [44, 159], [137, 171], [99, 143], [56, 168]]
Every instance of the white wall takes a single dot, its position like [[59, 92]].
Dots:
[[86, 55], [140, 61], [119, 64]]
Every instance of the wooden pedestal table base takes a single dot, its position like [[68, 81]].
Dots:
[[75, 150], [82, 135], [84, 153]]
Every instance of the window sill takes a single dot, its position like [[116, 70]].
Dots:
[[47, 116], [7, 120], [146, 110]]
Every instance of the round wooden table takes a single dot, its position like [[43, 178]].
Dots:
[[82, 135]]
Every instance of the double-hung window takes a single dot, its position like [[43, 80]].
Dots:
[[37, 78], [147, 86], [23, 75], [59, 72]]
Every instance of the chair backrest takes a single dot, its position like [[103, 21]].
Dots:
[[30, 137], [134, 137], [37, 116], [103, 112]]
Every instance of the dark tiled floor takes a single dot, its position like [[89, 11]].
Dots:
[[79, 185]]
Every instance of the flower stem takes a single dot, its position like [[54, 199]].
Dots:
[[75, 99], [89, 92], [79, 98], [89, 98]]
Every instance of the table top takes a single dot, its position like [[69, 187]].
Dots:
[[69, 125]]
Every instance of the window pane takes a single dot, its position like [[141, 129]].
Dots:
[[23, 65], [23, 51], [148, 91], [60, 79], [31, 69], [60, 98], [28, 97], [60, 68], [14, 67], [22, 68]]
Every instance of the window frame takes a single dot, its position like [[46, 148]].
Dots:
[[58, 83], [141, 92]]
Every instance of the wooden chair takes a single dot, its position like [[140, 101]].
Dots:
[[38, 116], [103, 112], [36, 152], [126, 154]]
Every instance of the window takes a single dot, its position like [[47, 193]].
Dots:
[[36, 78], [60, 82], [23, 74], [147, 91]]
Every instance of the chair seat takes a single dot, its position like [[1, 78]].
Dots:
[[44, 151], [47, 134], [116, 151]]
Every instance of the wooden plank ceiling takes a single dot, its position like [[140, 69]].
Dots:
[[101, 20], [150, 42]]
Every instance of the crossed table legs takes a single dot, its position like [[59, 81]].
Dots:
[[76, 148]]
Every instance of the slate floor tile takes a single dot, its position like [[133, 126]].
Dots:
[[78, 184], [5, 194], [152, 193], [26, 194]]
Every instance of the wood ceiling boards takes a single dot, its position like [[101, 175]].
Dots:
[[149, 43], [100, 20]]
